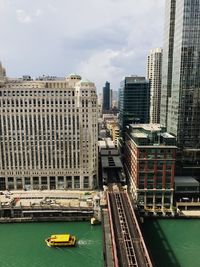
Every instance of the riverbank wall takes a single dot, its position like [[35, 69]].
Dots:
[[39, 206]]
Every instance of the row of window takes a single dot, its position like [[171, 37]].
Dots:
[[53, 93], [36, 123], [45, 103], [45, 157], [61, 182], [36, 93]]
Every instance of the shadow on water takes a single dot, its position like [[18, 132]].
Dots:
[[158, 245]]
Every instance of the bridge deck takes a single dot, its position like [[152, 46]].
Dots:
[[128, 241]]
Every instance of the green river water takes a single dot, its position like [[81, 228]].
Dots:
[[23, 245], [173, 243]]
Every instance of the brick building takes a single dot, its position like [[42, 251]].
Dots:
[[150, 155]]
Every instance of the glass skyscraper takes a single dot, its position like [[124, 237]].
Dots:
[[167, 59], [180, 96], [134, 101], [106, 96]]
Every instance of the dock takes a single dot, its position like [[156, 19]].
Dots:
[[47, 205]]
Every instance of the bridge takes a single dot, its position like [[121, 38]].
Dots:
[[128, 246]]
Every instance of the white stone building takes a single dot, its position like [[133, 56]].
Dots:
[[48, 133]]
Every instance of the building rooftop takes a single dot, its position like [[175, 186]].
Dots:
[[185, 180], [167, 135], [101, 144], [133, 79], [110, 144], [106, 152], [150, 135], [111, 162], [139, 135], [148, 127], [74, 76]]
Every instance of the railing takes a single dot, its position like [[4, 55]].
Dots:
[[114, 249]]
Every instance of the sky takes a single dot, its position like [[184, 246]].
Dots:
[[102, 40]]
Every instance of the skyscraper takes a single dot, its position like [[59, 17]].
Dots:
[[134, 101], [180, 104], [134, 104], [167, 63], [106, 97], [154, 74], [48, 133]]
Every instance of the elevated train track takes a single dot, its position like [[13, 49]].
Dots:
[[129, 249]]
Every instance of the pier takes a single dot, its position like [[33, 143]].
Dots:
[[46, 206]]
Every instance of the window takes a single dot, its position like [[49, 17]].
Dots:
[[86, 182], [76, 182], [69, 182]]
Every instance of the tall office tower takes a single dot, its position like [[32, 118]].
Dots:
[[150, 154], [154, 74], [106, 97], [134, 101], [48, 133], [180, 104], [167, 63]]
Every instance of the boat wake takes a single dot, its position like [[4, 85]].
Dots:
[[85, 242]]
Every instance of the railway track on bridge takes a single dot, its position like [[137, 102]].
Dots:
[[128, 242]]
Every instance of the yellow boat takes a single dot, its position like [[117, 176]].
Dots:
[[61, 240]]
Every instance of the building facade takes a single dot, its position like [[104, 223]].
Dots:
[[167, 63], [134, 102], [154, 74], [113, 127], [106, 97], [150, 154], [48, 133], [180, 105]]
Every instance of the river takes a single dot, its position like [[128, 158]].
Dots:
[[23, 245], [173, 242]]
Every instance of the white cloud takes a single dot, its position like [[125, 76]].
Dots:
[[23, 17], [27, 18], [102, 39], [52, 7], [38, 12], [3, 5], [99, 67], [112, 65]]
